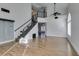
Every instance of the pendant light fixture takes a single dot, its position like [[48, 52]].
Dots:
[[55, 12]]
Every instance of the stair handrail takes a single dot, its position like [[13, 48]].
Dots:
[[22, 25]]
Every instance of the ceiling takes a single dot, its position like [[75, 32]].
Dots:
[[60, 7]]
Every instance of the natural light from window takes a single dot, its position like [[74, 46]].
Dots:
[[69, 24]]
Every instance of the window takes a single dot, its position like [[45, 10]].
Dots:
[[69, 24]]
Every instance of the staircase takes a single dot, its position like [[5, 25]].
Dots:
[[26, 28]]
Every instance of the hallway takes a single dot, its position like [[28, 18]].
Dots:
[[50, 46]]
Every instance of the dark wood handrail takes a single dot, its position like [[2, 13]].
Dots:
[[22, 25]]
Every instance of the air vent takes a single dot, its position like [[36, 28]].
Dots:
[[5, 10]]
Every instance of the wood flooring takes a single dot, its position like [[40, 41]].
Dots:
[[50, 46]]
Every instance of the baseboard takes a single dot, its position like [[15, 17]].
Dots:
[[73, 50], [56, 36], [7, 41]]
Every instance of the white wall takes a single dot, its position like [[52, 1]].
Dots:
[[56, 27], [50, 9], [60, 7], [20, 12], [74, 10]]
